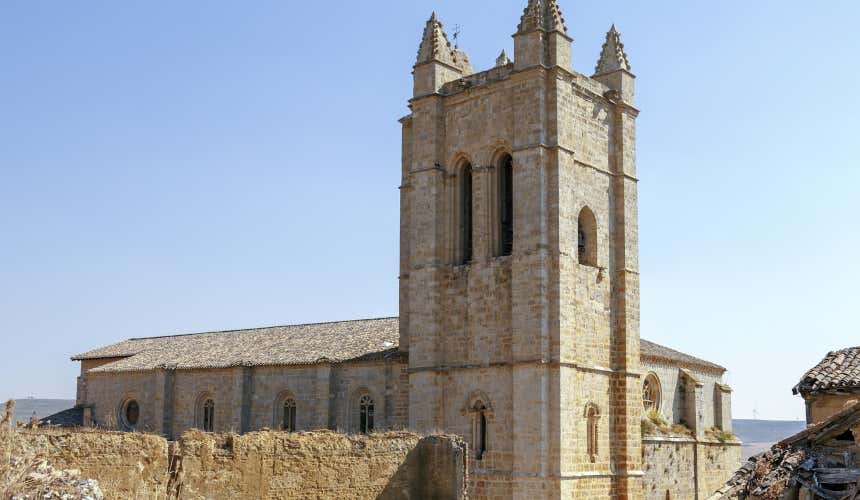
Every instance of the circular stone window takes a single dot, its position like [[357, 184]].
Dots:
[[131, 413]]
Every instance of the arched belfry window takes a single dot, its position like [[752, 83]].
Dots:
[[506, 204], [465, 226], [365, 414], [586, 236], [592, 416]]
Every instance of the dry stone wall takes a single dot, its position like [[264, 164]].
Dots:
[[261, 464]]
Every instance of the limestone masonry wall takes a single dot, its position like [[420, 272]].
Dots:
[[683, 468], [261, 464]]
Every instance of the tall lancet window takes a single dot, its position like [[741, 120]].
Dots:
[[506, 205], [466, 213]]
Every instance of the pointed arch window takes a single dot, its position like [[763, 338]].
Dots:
[[466, 218], [586, 233], [365, 414], [506, 205]]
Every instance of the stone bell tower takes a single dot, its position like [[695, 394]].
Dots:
[[519, 284]]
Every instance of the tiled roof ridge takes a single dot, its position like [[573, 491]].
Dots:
[[838, 370], [837, 351], [238, 330]]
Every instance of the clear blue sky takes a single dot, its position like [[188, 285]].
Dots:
[[171, 167]]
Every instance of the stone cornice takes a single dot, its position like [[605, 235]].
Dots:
[[544, 30], [594, 77], [576, 161], [654, 438], [553, 363], [441, 63], [563, 477], [436, 167]]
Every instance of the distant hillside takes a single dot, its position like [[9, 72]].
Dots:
[[25, 408], [766, 431]]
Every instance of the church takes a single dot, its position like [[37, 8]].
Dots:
[[518, 323]]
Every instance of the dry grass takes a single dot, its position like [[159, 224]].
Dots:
[[655, 424], [720, 435], [23, 474]]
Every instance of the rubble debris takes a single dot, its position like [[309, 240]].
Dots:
[[821, 462]]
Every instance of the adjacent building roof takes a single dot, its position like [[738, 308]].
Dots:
[[839, 370], [72, 417], [800, 460], [359, 340]]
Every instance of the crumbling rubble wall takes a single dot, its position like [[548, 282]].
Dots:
[[679, 467], [319, 465], [261, 464], [126, 465]]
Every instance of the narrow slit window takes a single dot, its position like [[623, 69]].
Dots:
[[592, 415], [479, 431], [506, 206], [466, 214]]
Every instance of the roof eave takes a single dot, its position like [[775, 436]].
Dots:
[[705, 365]]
